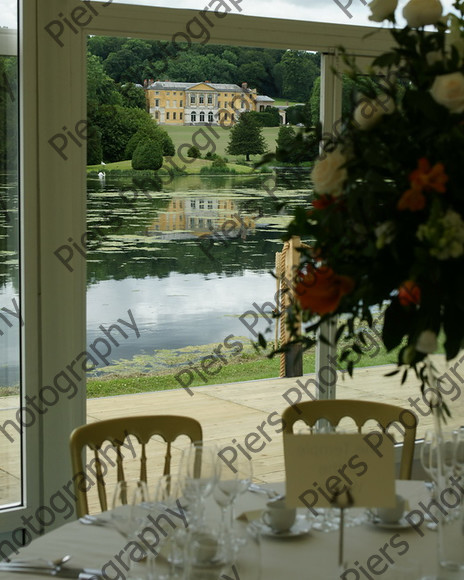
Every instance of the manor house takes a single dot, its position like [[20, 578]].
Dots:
[[175, 103]]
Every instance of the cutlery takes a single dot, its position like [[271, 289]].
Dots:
[[57, 571]]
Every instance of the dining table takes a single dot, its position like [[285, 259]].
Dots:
[[390, 551]]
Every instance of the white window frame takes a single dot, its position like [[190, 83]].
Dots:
[[55, 96]]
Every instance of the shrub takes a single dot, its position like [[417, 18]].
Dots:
[[148, 155], [194, 152]]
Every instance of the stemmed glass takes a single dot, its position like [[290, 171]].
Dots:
[[429, 462], [128, 495], [167, 495], [198, 472], [232, 482]]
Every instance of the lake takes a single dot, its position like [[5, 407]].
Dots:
[[183, 260]]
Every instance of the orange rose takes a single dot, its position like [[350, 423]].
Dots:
[[320, 289], [409, 293]]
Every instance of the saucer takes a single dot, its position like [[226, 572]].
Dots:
[[401, 524], [299, 528]]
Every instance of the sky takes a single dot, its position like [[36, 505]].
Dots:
[[315, 10]]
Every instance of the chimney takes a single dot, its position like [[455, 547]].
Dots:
[[244, 86], [151, 81], [145, 83]]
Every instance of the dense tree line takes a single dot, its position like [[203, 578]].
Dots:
[[276, 73]]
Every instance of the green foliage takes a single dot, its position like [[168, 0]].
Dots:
[[8, 114], [94, 146], [299, 70], [246, 138], [133, 60], [118, 125], [268, 118], [194, 152], [133, 96], [148, 155]]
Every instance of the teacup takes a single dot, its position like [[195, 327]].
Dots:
[[278, 516], [392, 515]]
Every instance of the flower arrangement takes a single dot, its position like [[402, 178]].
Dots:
[[386, 223]]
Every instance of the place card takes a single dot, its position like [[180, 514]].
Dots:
[[326, 470]]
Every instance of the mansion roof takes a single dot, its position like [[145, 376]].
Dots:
[[170, 85]]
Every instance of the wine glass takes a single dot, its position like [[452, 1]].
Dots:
[[198, 472], [167, 496], [231, 483], [429, 462], [128, 496]]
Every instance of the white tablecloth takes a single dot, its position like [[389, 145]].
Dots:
[[313, 556]]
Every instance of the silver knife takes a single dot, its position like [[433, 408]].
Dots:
[[62, 572]]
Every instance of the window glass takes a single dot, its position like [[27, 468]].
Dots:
[[11, 321]]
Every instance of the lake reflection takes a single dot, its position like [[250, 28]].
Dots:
[[187, 260]]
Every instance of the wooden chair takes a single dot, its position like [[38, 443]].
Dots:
[[360, 411], [115, 431]]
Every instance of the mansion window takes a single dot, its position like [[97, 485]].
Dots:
[[167, 115], [174, 103], [193, 117], [192, 203], [174, 115], [226, 116], [192, 99], [168, 103], [181, 116], [210, 204], [210, 117], [181, 103], [157, 102], [210, 99], [157, 114], [202, 203], [201, 99], [202, 117], [219, 104]]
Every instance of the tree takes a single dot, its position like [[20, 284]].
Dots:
[[94, 146], [150, 131], [117, 125], [148, 155], [299, 71], [133, 96], [246, 138]]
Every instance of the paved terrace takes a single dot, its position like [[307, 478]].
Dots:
[[229, 413]]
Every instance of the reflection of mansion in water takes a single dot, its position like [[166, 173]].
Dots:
[[194, 217], [175, 103]]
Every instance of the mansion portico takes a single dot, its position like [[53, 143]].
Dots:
[[176, 103]]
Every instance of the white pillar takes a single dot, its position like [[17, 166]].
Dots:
[[330, 112]]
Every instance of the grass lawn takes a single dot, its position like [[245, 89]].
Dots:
[[190, 168], [214, 139], [245, 369]]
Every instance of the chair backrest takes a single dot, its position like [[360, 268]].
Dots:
[[334, 410], [115, 431]]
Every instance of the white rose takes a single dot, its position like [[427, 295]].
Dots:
[[369, 111], [422, 12], [382, 9], [427, 342], [328, 174], [448, 90]]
